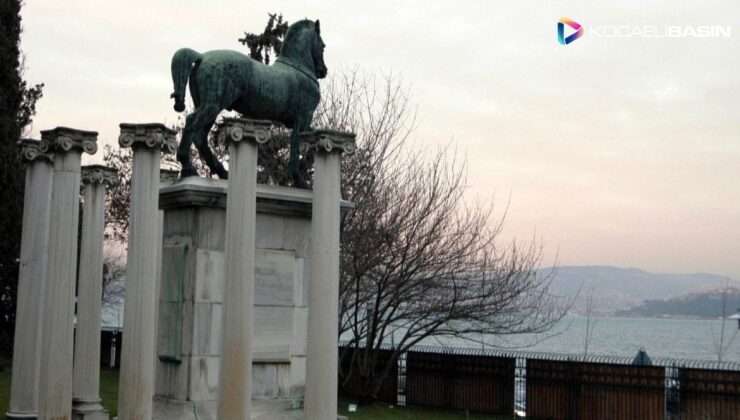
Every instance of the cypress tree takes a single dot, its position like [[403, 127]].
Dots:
[[17, 107]]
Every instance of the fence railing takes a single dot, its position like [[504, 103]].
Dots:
[[553, 385], [461, 382]]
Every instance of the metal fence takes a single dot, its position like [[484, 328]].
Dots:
[[560, 386], [352, 374], [578, 390], [460, 382], [708, 394]]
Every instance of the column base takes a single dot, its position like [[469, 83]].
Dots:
[[20, 416], [88, 409]]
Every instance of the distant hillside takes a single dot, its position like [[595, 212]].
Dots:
[[617, 289], [695, 305]]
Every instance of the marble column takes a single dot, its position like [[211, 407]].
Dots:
[[86, 403], [55, 388], [323, 295], [235, 387], [34, 247], [136, 383]]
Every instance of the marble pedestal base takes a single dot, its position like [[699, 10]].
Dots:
[[191, 297], [280, 409]]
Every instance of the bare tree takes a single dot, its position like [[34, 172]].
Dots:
[[418, 261], [118, 195], [590, 322], [114, 273], [722, 343]]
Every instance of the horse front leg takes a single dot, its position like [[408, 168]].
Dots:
[[298, 171], [306, 163]]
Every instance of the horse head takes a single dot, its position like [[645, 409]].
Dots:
[[317, 53], [303, 45]]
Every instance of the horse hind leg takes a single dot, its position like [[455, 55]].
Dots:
[[197, 128], [183, 151]]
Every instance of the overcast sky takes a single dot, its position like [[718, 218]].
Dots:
[[613, 151]]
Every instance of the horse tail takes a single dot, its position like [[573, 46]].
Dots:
[[182, 64]]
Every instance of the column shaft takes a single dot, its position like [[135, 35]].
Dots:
[[136, 386], [24, 390], [235, 396], [323, 298], [85, 390], [57, 342]]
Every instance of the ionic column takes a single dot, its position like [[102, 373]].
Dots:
[[136, 383], [323, 294], [86, 383], [24, 386], [55, 388], [235, 377]]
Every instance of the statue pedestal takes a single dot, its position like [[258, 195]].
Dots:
[[191, 295]]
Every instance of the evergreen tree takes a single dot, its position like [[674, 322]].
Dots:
[[17, 107], [261, 46]]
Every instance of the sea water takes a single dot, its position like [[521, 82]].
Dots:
[[674, 338]]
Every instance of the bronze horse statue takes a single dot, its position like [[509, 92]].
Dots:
[[286, 92]]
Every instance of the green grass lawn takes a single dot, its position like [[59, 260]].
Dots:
[[109, 394], [108, 388], [4, 386], [391, 412]]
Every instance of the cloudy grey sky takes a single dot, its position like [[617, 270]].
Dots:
[[619, 151]]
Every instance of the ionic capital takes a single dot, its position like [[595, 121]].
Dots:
[[242, 129], [328, 141], [31, 151], [151, 136], [98, 174], [63, 139]]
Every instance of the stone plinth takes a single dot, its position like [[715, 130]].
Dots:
[[86, 403], [55, 383], [192, 294], [24, 388]]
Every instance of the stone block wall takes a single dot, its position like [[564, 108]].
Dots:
[[191, 293]]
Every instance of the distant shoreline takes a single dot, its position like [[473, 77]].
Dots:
[[665, 317]]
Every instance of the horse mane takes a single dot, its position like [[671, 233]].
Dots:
[[292, 47]]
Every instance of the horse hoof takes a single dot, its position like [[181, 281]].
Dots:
[[299, 183], [221, 171], [186, 172]]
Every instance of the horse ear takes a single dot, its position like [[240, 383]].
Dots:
[[318, 28]]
